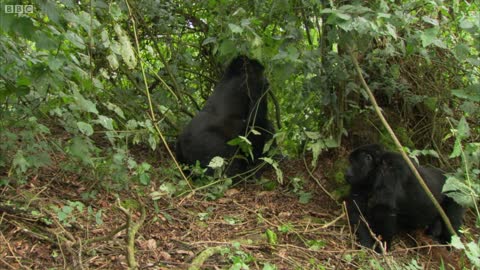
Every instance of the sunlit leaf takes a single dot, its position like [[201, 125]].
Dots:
[[105, 121], [472, 93], [127, 52], [216, 163], [75, 39], [116, 109], [113, 61], [85, 128], [428, 36], [235, 28]]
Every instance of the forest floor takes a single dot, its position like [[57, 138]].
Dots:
[[249, 225]]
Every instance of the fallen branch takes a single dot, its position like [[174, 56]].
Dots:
[[132, 229], [204, 255]]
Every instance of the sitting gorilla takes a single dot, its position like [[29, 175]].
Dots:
[[389, 196], [237, 105], [361, 175]]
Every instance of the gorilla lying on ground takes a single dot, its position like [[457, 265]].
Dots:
[[385, 191], [237, 105]]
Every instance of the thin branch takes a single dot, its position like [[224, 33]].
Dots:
[[150, 104]]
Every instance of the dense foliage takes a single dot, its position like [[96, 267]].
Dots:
[[82, 82]]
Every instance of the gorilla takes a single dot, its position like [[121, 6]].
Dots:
[[237, 106], [385, 191], [361, 176]]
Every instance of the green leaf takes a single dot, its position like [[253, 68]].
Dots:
[[216, 163], [166, 189], [331, 143], [115, 108], [343, 16], [126, 50], [285, 228], [113, 61], [244, 144], [471, 92], [62, 216], [55, 63], [98, 217], [67, 209], [255, 132], [462, 51], [457, 148], [268, 266], [430, 20], [105, 39], [44, 42], [275, 166], [457, 243], [83, 104], [392, 31], [463, 129], [23, 26], [428, 36], [50, 8], [105, 121], [152, 141], [78, 205], [292, 53], [85, 128], [316, 244], [20, 162], [230, 220], [271, 237], [227, 47], [75, 39], [131, 124], [466, 24], [209, 40], [144, 167], [144, 179], [473, 253], [459, 191], [304, 197], [115, 11], [235, 28], [80, 149]]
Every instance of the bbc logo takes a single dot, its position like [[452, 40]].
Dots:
[[18, 9]]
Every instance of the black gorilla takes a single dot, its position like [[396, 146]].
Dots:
[[361, 176], [237, 105], [389, 196]]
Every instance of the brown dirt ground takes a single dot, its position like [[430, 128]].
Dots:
[[174, 233]]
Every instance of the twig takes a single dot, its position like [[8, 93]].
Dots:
[[344, 209], [9, 265], [11, 252], [132, 229], [317, 180], [104, 237], [151, 113], [277, 109], [328, 224]]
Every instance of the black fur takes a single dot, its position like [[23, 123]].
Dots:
[[392, 200], [361, 175], [237, 105]]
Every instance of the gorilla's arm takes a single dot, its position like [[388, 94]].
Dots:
[[357, 205]]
